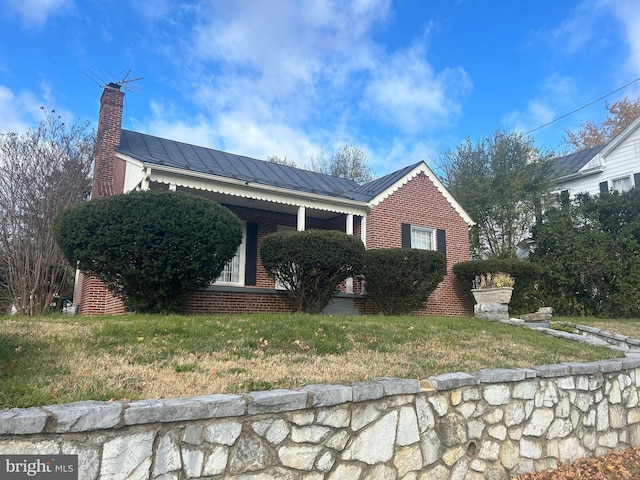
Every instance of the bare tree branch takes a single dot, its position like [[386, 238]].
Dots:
[[42, 172], [347, 161]]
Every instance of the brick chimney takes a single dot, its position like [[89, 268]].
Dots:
[[90, 295], [106, 172]]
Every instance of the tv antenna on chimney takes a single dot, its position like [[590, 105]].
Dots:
[[103, 79], [126, 80]]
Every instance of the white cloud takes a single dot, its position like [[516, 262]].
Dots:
[[579, 29], [232, 132], [10, 113], [21, 111], [287, 38], [588, 28], [400, 153], [265, 71], [405, 91], [18, 112], [290, 77], [35, 13], [584, 30], [628, 14], [260, 141]]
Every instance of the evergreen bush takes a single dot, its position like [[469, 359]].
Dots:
[[150, 248], [399, 280], [589, 250], [311, 264]]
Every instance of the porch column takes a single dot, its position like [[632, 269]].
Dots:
[[349, 224], [349, 281], [144, 185], [363, 230], [301, 218]]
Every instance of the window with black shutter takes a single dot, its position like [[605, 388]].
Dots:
[[425, 238], [604, 187]]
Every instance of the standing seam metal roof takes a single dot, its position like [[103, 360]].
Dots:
[[160, 151]]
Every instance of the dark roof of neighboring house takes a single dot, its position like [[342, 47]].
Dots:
[[169, 153], [573, 162]]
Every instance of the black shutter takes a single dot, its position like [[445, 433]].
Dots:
[[636, 180], [251, 256], [406, 235], [604, 187], [564, 198], [441, 241]]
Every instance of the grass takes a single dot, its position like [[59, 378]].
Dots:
[[62, 359], [625, 326]]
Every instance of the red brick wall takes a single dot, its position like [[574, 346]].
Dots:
[[420, 203], [221, 302], [93, 298]]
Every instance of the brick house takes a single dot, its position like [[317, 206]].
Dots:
[[407, 208]]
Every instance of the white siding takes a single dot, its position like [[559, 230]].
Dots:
[[622, 161]]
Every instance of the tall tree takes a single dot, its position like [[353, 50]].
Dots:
[[347, 161], [621, 114], [42, 172], [500, 181]]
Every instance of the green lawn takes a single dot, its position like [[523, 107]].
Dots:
[[625, 326], [61, 359]]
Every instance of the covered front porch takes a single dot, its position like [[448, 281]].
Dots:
[[244, 285]]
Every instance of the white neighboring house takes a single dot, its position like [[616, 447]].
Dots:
[[613, 166]]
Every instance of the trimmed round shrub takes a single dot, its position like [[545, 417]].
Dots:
[[525, 273], [311, 264], [151, 248], [400, 280]]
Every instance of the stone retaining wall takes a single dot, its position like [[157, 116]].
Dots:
[[488, 425]]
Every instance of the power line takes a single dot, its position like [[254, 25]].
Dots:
[[584, 106]]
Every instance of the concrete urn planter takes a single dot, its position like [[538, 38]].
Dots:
[[490, 296]]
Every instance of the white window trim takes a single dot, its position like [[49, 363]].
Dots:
[[242, 252], [625, 179], [429, 231]]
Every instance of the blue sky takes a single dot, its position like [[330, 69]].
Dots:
[[405, 80]]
